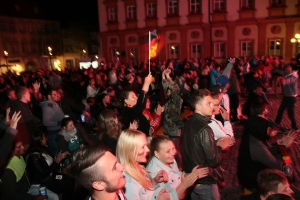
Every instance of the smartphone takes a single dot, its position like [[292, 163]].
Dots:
[[82, 118]]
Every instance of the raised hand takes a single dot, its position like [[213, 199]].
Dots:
[[36, 86], [14, 120], [288, 139], [134, 125], [148, 79], [225, 142]]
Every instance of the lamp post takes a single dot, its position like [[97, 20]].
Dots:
[[50, 56], [296, 39], [6, 56], [83, 53]]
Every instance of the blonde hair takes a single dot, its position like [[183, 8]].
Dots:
[[127, 153]]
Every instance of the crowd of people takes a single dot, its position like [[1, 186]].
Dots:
[[98, 129]]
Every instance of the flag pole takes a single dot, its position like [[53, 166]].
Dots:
[[149, 50]]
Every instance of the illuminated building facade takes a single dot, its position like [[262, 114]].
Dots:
[[198, 28]]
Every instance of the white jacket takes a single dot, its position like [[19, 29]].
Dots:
[[155, 165], [134, 191]]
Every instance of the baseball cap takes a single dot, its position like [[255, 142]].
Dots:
[[216, 89]]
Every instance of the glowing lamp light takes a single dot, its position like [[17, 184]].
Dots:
[[278, 43], [172, 47], [297, 36], [117, 53], [293, 40], [5, 53], [131, 54]]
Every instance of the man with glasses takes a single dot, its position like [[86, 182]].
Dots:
[[52, 116]]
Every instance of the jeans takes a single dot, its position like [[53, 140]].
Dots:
[[289, 103], [205, 192], [34, 190], [51, 135]]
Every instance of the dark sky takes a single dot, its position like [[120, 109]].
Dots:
[[65, 11]]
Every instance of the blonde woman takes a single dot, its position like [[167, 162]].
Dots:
[[132, 151]]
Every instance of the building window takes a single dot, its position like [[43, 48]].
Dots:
[[15, 46], [115, 53], [12, 26], [174, 52], [195, 51], [24, 46], [133, 52], [22, 26], [195, 6], [112, 14], [151, 10], [275, 3], [131, 12], [4, 25], [247, 4], [30, 27], [172, 7], [40, 28], [33, 46], [219, 50], [219, 5], [275, 47], [5, 46], [246, 48]]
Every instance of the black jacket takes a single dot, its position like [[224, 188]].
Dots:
[[136, 113], [26, 123], [199, 148], [38, 169]]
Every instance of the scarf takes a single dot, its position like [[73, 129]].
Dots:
[[68, 135]]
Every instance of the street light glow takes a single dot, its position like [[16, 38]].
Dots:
[[83, 51], [293, 40], [5, 53], [49, 49], [297, 36]]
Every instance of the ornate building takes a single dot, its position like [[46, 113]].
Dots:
[[198, 28], [27, 40]]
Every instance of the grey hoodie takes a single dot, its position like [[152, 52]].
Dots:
[[52, 115]]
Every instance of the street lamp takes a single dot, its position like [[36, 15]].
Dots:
[[84, 52], [6, 56], [296, 39], [50, 56]]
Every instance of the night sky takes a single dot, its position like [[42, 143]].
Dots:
[[65, 11]]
